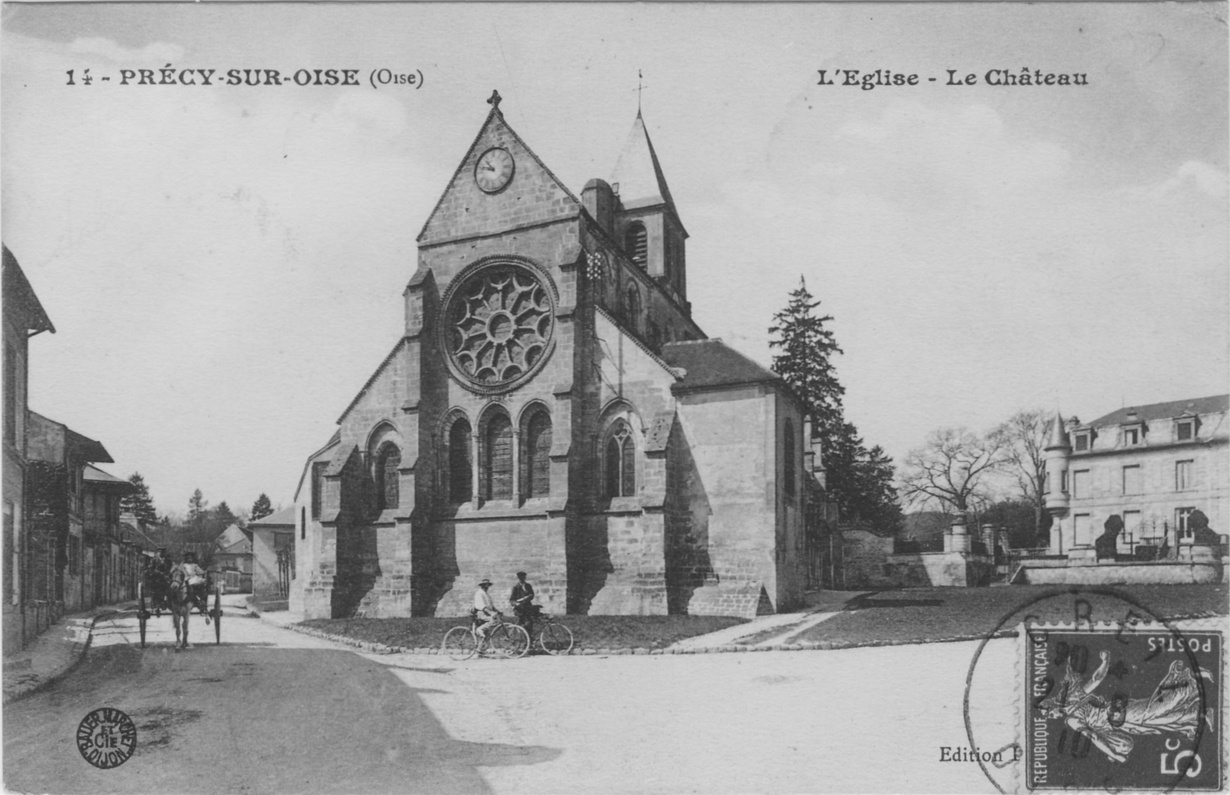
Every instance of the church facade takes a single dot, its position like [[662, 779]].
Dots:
[[552, 407]]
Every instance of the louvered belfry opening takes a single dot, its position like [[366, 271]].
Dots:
[[636, 244]]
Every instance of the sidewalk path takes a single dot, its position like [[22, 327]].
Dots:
[[821, 606], [52, 654]]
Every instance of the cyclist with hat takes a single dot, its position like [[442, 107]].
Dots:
[[484, 609]]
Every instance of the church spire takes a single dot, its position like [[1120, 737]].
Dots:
[[638, 174]]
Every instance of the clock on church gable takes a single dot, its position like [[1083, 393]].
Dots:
[[499, 323]]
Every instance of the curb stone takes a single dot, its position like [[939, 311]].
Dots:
[[818, 645]]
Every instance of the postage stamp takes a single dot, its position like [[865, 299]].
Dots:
[[1113, 709]]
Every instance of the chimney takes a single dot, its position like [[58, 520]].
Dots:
[[599, 201]]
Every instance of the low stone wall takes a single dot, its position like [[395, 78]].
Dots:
[[928, 569], [1167, 572]]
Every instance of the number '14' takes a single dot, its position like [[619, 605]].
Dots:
[[85, 78]]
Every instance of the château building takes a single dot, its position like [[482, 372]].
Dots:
[[1152, 466]]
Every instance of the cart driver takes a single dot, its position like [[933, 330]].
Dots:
[[484, 609], [194, 576]]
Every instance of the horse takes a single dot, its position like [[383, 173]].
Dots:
[[181, 597]]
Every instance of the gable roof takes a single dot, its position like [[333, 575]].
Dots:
[[20, 295], [496, 131], [234, 539], [639, 174], [711, 364], [1215, 404], [284, 517], [94, 475]]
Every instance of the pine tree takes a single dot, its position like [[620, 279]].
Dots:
[[223, 517], [139, 503], [261, 508], [197, 508], [859, 480], [805, 360]]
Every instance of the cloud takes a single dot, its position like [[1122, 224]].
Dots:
[[1194, 174], [156, 53]]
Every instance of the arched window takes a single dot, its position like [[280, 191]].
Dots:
[[632, 307], [536, 447], [460, 471], [499, 458], [636, 244], [387, 462], [620, 462], [788, 463]]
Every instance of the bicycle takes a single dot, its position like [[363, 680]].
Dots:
[[554, 637], [504, 641]]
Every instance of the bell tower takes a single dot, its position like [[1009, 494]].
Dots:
[[647, 225]]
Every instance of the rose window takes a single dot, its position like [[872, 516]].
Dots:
[[499, 324]]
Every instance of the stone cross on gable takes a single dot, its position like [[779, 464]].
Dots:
[[494, 101]]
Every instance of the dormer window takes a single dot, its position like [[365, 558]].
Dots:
[[1133, 435], [1185, 429], [636, 244], [1082, 439]]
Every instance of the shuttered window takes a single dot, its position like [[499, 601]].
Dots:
[[460, 471], [499, 467], [537, 454]]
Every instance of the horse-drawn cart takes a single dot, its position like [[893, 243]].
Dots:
[[176, 597]]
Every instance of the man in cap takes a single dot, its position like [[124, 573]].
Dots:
[[520, 599], [484, 608]]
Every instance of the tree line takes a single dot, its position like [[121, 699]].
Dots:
[[197, 529], [997, 477]]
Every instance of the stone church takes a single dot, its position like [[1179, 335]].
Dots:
[[551, 406]]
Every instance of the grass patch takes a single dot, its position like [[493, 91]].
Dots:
[[589, 632], [922, 614]]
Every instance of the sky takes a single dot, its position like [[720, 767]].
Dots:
[[224, 265]]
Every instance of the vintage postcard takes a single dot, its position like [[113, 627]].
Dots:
[[617, 397]]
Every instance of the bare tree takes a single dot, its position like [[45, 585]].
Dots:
[[952, 469], [1023, 440]]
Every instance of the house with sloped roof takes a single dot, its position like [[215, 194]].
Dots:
[[232, 552], [553, 407], [24, 613], [273, 559]]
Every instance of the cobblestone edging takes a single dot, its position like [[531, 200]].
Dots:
[[23, 686], [731, 648]]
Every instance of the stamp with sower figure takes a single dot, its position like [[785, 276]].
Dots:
[[1123, 710]]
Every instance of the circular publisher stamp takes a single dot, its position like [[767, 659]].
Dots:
[[106, 737], [1087, 689]]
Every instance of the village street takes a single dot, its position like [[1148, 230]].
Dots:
[[271, 710]]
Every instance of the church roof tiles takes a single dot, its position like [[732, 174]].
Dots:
[[712, 363]]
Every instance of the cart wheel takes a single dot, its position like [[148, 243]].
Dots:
[[217, 613], [142, 613]]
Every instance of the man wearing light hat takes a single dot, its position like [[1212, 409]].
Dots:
[[484, 608]]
